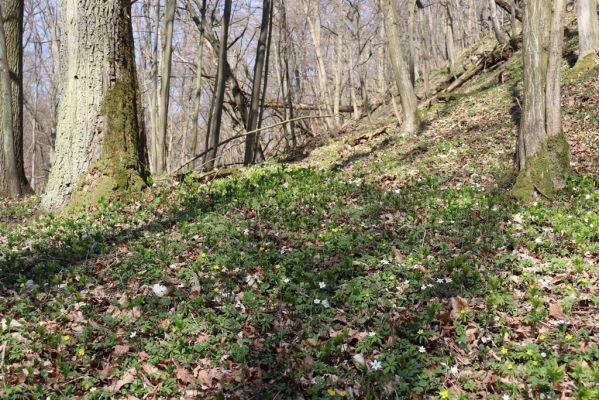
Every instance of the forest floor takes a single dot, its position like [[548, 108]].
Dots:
[[377, 267]]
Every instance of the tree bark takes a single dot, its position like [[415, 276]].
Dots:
[[250, 142], [195, 131], [165, 85], [449, 39], [409, 104], [100, 144], [543, 154], [495, 22], [13, 182], [219, 87], [588, 30]]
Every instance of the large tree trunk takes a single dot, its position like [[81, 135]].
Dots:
[[543, 155], [12, 173], [409, 103], [165, 86], [252, 122], [588, 32], [100, 144]]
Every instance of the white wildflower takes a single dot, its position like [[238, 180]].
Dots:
[[454, 370], [286, 280], [371, 334], [246, 232], [316, 301], [159, 289], [506, 397], [376, 365], [448, 280], [132, 335], [422, 349], [322, 285]]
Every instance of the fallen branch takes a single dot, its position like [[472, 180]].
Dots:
[[246, 134]]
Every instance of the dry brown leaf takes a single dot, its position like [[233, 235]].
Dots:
[[555, 310], [127, 378], [458, 305], [149, 369], [120, 350], [184, 376]]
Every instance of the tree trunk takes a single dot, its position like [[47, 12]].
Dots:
[[195, 131], [409, 104], [153, 103], [496, 26], [543, 155], [219, 87], [12, 172], [449, 40], [411, 42], [250, 142], [588, 32], [165, 85], [100, 145]]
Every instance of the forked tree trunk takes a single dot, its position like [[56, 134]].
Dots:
[[495, 21], [409, 103], [254, 112], [12, 173], [100, 145], [543, 154], [588, 32]]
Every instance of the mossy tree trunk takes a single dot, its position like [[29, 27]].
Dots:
[[543, 154], [588, 32], [13, 182], [401, 73], [100, 146]]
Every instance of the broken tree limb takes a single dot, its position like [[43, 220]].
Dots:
[[488, 60], [301, 107], [505, 4], [249, 133]]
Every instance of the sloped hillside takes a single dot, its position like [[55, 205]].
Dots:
[[377, 267]]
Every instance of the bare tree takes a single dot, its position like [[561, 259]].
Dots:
[[12, 173], [250, 143]]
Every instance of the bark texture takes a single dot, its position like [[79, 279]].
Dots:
[[401, 73], [543, 154], [12, 173], [165, 86], [100, 145], [588, 31]]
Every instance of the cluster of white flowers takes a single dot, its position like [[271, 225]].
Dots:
[[325, 303]]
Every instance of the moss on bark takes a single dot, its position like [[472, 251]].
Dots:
[[545, 171], [119, 169], [583, 65]]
